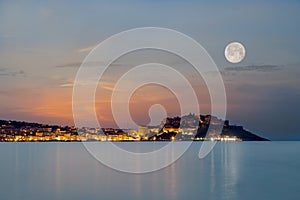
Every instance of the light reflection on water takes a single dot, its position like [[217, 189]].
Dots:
[[246, 170]]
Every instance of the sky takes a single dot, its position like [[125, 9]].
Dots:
[[42, 44]]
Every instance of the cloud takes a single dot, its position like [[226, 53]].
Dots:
[[71, 65], [7, 72], [78, 64], [64, 85], [68, 83], [260, 68], [109, 86], [85, 49]]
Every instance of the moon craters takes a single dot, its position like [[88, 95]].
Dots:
[[235, 52]]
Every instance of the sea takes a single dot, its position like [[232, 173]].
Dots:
[[232, 170]]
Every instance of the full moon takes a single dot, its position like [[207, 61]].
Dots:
[[235, 52]]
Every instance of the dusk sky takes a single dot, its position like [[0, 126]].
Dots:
[[42, 44]]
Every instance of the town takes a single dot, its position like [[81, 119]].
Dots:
[[185, 128]]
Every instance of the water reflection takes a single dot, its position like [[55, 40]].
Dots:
[[229, 164], [58, 166], [223, 169], [171, 176]]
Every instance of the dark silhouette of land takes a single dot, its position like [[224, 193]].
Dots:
[[185, 128], [195, 127]]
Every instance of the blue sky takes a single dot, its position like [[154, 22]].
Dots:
[[38, 36]]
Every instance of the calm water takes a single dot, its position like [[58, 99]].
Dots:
[[245, 170]]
